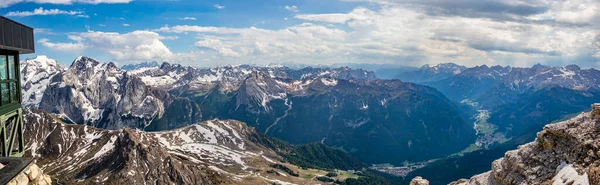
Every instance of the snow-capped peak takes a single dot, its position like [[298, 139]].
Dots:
[[83, 62], [329, 81], [36, 74], [42, 63], [444, 68]]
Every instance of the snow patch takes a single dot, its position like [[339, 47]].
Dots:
[[110, 145], [329, 81], [567, 175]]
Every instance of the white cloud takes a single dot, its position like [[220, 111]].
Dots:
[[433, 38], [133, 46], [292, 8], [64, 47], [7, 3], [394, 32], [43, 31], [401, 34], [126, 25], [255, 45], [187, 18], [169, 38], [219, 6], [573, 11], [102, 25], [357, 14], [42, 11], [198, 29]]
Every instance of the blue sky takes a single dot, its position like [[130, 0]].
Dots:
[[407, 32]]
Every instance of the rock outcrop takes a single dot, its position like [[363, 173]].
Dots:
[[31, 175], [567, 152], [419, 181]]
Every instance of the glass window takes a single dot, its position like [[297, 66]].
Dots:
[[3, 67], [9, 87], [13, 93], [11, 67], [4, 93]]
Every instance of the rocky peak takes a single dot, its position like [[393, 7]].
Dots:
[[129, 67], [171, 67], [257, 90], [36, 74], [40, 64], [429, 73], [538, 65], [112, 66], [496, 72], [43, 62], [83, 63], [484, 66], [87, 69], [322, 84], [573, 67], [444, 67], [498, 67], [258, 76], [165, 65], [344, 68], [419, 181]]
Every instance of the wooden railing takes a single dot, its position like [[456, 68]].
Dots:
[[11, 133]]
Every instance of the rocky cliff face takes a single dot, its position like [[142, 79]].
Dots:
[[99, 94], [567, 152]]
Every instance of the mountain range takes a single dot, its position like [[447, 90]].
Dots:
[[518, 102], [341, 107], [430, 73], [518, 98], [228, 118]]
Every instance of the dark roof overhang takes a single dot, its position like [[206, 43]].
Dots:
[[16, 36]]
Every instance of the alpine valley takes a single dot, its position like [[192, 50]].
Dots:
[[96, 123]]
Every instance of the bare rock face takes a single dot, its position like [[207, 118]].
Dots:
[[563, 153], [419, 181], [91, 92], [459, 182], [594, 173]]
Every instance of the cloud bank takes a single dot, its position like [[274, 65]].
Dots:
[[409, 32]]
